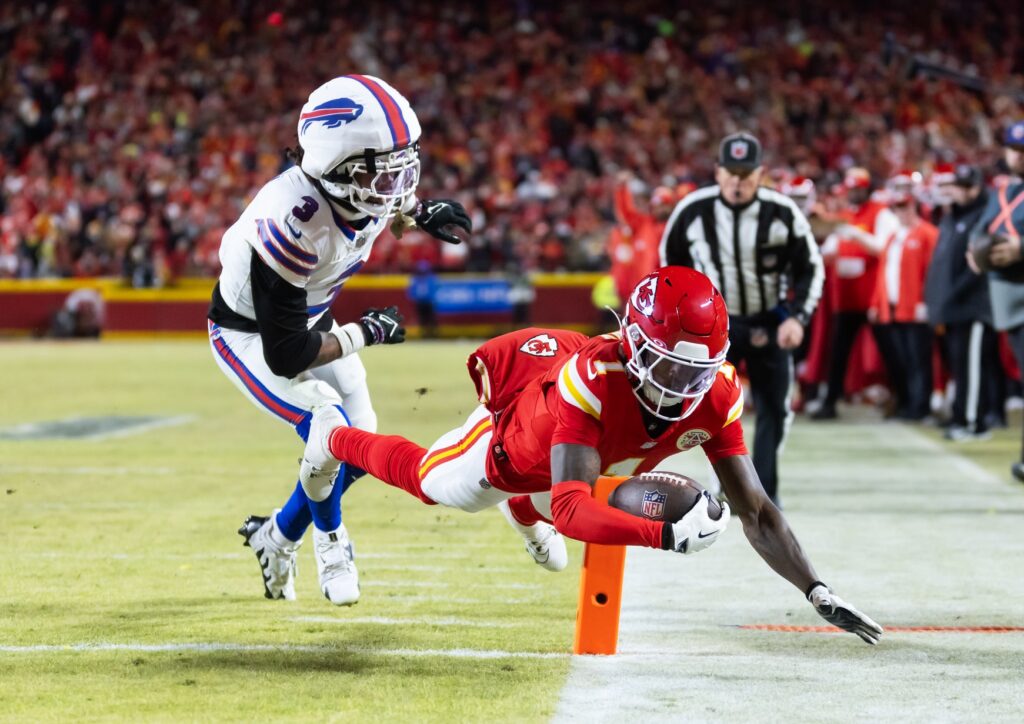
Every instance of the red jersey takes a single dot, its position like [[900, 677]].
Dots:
[[587, 399], [855, 267], [910, 252]]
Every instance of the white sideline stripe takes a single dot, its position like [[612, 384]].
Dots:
[[414, 621], [442, 584], [82, 470], [215, 647], [400, 598], [136, 556]]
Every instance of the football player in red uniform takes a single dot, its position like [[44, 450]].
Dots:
[[558, 409]]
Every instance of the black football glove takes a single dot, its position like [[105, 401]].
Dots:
[[434, 217], [841, 614], [383, 326]]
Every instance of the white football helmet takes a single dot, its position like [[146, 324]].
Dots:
[[360, 140]]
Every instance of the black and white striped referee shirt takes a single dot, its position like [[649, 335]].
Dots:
[[762, 256]]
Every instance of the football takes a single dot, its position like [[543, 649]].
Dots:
[[660, 496]]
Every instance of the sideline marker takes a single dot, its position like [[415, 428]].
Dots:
[[597, 616]]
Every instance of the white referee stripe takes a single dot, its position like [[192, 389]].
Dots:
[[219, 647]]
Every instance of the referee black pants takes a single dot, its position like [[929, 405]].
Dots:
[[973, 354], [770, 371]]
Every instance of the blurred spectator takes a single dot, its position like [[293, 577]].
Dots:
[[958, 304], [898, 310], [81, 315], [134, 133], [1002, 222], [634, 250], [852, 255]]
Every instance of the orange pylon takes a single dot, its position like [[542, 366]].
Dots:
[[597, 618]]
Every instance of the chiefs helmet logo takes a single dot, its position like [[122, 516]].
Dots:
[[738, 150], [692, 438], [643, 296], [543, 345]]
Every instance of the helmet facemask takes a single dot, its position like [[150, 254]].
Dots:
[[669, 384], [378, 185]]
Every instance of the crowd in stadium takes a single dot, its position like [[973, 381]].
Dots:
[[134, 133]]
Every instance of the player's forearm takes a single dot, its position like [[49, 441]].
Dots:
[[341, 341], [330, 350], [773, 539]]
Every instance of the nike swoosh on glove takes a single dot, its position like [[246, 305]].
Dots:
[[843, 615], [438, 216]]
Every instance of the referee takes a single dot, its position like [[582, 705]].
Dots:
[[757, 248]]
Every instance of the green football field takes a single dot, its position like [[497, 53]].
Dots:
[[125, 592]]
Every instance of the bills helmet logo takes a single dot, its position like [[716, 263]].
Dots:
[[739, 150], [653, 504], [332, 113], [542, 345], [643, 296], [1017, 132]]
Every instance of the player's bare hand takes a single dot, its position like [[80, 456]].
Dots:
[[442, 217], [790, 334], [383, 326], [1005, 251], [843, 615]]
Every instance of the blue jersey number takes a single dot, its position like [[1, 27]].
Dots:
[[305, 212]]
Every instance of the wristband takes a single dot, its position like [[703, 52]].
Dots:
[[350, 337], [810, 588]]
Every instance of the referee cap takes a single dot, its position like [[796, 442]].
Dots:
[[740, 152]]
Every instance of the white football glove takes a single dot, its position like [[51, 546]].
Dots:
[[695, 531], [841, 614]]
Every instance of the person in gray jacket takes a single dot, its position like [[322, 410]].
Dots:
[[999, 231], [958, 302]]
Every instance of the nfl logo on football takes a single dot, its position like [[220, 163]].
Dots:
[[653, 505]]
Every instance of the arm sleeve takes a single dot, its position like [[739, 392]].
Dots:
[[281, 316], [578, 515], [807, 268], [625, 208], [674, 249], [886, 225]]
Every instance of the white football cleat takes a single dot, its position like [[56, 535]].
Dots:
[[339, 579], [319, 468], [547, 546], [275, 553]]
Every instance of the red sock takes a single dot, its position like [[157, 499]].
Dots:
[[389, 458], [523, 510]]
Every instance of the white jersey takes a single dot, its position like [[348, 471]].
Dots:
[[301, 236]]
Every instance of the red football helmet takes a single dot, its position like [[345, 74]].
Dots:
[[675, 336]]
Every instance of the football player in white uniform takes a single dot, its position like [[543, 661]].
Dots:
[[284, 261]]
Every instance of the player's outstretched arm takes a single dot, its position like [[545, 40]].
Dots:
[[773, 539], [575, 512]]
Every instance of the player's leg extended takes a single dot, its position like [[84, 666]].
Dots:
[[276, 538], [348, 377], [240, 357]]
